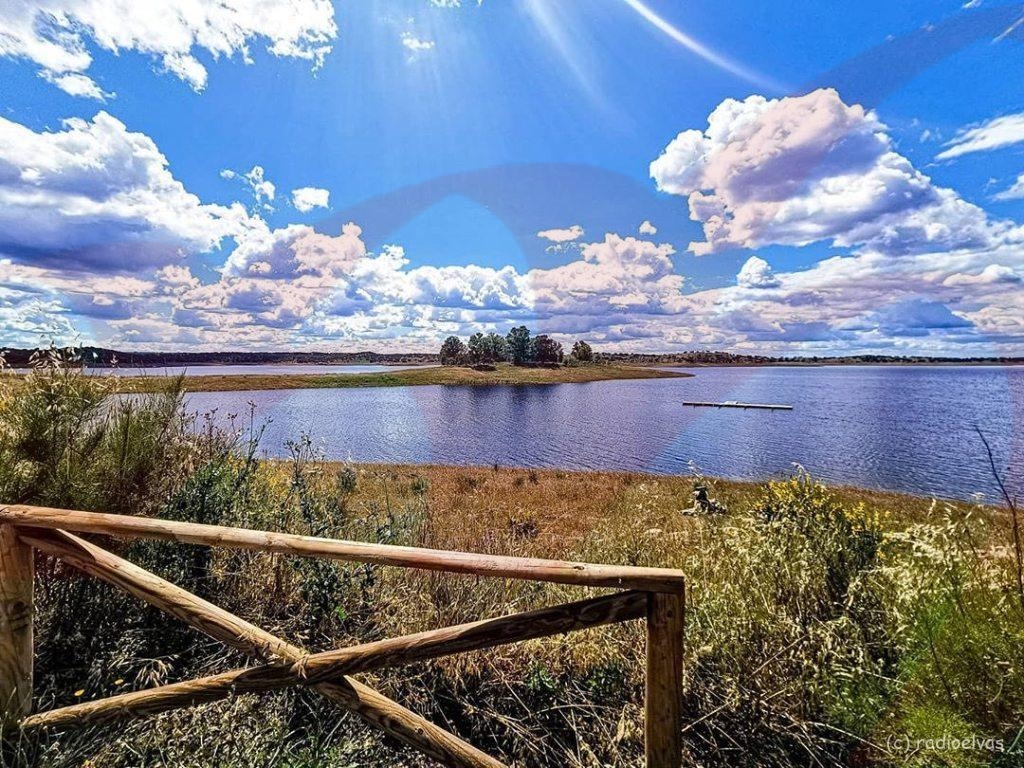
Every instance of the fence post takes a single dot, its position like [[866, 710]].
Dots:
[[663, 716], [16, 572]]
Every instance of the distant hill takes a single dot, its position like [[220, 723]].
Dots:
[[101, 357], [705, 357]]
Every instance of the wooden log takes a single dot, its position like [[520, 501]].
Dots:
[[16, 575], [474, 636], [663, 704], [425, 645], [371, 706], [531, 569]]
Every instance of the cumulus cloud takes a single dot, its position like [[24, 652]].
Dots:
[[305, 199], [990, 275], [97, 194], [756, 273], [798, 170], [926, 270], [56, 34], [997, 133], [916, 317], [95, 230], [646, 228], [618, 274], [934, 302], [296, 251], [567, 235], [296, 280]]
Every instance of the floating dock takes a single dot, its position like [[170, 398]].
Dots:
[[734, 404]]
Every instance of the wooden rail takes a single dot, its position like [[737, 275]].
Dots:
[[656, 595], [529, 569]]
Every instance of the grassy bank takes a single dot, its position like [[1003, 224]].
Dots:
[[822, 624], [503, 374]]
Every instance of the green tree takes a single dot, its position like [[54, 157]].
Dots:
[[547, 350], [582, 352], [497, 349], [477, 348], [453, 351], [520, 345]]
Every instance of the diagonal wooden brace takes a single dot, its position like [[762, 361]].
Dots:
[[477, 635], [373, 707]]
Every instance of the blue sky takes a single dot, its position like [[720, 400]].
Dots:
[[451, 134]]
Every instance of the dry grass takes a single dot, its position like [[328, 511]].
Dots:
[[503, 375], [468, 504], [573, 700]]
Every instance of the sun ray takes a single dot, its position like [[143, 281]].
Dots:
[[700, 49]]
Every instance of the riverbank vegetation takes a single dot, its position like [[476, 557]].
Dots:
[[503, 374], [824, 626]]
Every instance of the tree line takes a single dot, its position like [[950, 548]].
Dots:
[[519, 347]]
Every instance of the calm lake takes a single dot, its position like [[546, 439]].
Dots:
[[910, 429]]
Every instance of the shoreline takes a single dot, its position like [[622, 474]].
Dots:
[[502, 375], [566, 506], [734, 486]]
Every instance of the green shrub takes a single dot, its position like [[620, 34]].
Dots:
[[787, 637]]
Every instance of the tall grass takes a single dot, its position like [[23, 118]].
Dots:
[[823, 626]]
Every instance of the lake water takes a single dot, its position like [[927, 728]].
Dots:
[[908, 429]]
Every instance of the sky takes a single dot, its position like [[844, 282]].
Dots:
[[796, 178]]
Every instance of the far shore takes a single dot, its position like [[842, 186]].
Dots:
[[502, 374]]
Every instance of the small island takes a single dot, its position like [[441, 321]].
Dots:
[[517, 359], [502, 374]]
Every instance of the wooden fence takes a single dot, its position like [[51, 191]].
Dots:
[[654, 594]]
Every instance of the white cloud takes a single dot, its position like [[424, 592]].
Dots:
[[75, 84], [991, 274], [756, 273], [798, 170], [928, 271], [997, 133], [95, 193], [935, 302], [616, 275], [307, 283], [305, 199], [567, 235], [296, 251], [95, 230], [646, 228], [260, 187], [298, 287], [416, 44], [1014, 192], [56, 34]]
